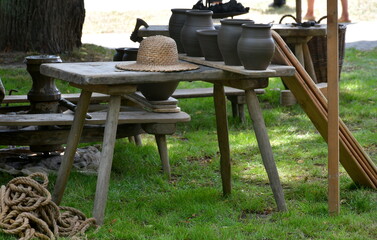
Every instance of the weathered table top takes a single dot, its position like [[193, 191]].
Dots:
[[284, 30], [92, 73], [288, 30]]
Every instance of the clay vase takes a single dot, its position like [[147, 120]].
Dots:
[[229, 33], [256, 46], [196, 20], [130, 54], [176, 22], [208, 44]]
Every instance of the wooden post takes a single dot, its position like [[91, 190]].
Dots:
[[333, 107], [298, 11]]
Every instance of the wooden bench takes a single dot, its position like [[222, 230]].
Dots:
[[235, 96], [130, 123]]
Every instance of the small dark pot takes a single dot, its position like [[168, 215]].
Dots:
[[256, 46], [118, 56], [196, 20], [130, 54], [176, 22], [229, 33], [158, 91], [208, 44]]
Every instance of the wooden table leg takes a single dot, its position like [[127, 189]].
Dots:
[[222, 137], [163, 151], [309, 63], [104, 169], [265, 148], [74, 139], [299, 52]]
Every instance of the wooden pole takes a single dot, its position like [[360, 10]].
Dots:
[[333, 107], [298, 11]]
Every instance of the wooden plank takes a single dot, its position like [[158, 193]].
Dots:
[[91, 133], [166, 106], [208, 92], [333, 107], [99, 97], [97, 118], [271, 71], [72, 97]]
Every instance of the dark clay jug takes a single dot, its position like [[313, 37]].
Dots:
[[208, 44], [176, 22], [256, 46], [229, 33], [196, 20]]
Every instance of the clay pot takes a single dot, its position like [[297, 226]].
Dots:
[[125, 54], [196, 20], [130, 54], [208, 44], [256, 46], [118, 56], [176, 22], [158, 91], [229, 33]]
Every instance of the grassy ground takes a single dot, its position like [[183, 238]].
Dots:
[[143, 204]]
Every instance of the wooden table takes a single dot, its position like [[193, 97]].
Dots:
[[103, 77]]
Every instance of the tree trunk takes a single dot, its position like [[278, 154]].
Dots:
[[45, 26]]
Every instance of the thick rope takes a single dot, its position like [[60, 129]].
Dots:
[[26, 210]]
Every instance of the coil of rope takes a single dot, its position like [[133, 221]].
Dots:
[[26, 210]]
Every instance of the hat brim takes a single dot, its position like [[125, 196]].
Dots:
[[132, 66]]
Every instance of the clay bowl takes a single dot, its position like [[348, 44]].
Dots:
[[158, 91]]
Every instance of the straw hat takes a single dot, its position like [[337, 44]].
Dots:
[[157, 54]]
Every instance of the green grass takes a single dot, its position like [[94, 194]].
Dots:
[[143, 204]]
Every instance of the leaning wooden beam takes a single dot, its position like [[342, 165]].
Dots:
[[321, 104], [353, 158]]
